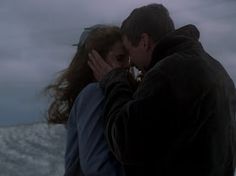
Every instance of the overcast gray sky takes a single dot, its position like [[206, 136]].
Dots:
[[36, 40]]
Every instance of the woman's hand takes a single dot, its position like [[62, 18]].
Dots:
[[99, 66]]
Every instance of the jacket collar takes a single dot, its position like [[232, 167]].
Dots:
[[175, 41]]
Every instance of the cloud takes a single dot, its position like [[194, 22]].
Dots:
[[37, 37]]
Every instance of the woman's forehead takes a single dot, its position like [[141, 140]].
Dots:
[[118, 47]]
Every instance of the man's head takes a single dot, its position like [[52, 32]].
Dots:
[[142, 29]]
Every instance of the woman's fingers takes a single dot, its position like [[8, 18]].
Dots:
[[98, 65], [94, 69], [96, 58]]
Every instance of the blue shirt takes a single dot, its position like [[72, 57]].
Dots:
[[86, 143]]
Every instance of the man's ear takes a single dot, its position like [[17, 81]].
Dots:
[[145, 41]]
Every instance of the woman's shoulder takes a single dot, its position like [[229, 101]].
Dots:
[[90, 94], [90, 91], [91, 88]]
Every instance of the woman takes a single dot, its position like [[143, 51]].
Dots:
[[78, 103]]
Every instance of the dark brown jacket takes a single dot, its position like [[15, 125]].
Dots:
[[180, 119]]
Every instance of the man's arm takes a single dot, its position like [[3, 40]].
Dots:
[[134, 121]]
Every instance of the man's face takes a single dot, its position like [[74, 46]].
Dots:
[[138, 56]]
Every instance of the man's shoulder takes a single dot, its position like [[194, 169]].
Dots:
[[181, 64], [160, 69]]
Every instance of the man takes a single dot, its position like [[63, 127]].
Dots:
[[180, 120]]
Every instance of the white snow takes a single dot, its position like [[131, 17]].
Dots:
[[36, 149]]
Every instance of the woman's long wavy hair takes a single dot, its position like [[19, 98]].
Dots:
[[73, 79]]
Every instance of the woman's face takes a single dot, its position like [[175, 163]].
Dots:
[[119, 53]]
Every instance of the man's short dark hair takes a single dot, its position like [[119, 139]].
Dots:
[[153, 19]]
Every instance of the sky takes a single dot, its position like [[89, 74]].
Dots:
[[36, 40]]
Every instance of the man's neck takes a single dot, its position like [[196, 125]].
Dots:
[[149, 58]]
